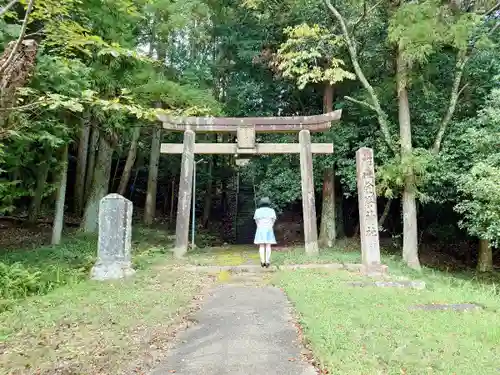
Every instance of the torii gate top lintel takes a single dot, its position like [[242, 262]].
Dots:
[[282, 124]]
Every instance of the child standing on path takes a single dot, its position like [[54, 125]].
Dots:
[[264, 217]]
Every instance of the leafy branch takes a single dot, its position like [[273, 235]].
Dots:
[[462, 59], [124, 103], [375, 105], [6, 8], [7, 62]]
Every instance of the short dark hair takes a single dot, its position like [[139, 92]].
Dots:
[[264, 202]]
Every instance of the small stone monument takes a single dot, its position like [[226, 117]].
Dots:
[[115, 239], [368, 221]]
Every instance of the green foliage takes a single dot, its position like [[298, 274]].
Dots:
[[417, 28], [480, 207], [391, 175], [422, 28], [17, 282], [308, 56], [28, 273], [480, 186]]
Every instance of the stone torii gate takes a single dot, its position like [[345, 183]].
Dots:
[[245, 129]]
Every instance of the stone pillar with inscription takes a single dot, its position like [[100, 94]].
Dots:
[[367, 198], [185, 194], [115, 239], [308, 200]]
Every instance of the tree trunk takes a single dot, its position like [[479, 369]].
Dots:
[[150, 207], [100, 185], [410, 232], [328, 216], [485, 257], [94, 143], [172, 202], [339, 212], [327, 232], [115, 173], [129, 164], [81, 165], [57, 226], [41, 180], [207, 206]]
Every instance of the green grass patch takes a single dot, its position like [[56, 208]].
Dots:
[[96, 328], [29, 272], [338, 254], [372, 331], [58, 321]]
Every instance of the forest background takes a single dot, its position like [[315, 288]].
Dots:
[[418, 81]]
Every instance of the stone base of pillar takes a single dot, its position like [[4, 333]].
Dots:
[[312, 248], [374, 270], [111, 270], [180, 252]]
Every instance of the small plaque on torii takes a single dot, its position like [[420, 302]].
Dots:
[[246, 136]]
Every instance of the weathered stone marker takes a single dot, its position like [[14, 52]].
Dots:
[[115, 239], [308, 200], [367, 200], [185, 194]]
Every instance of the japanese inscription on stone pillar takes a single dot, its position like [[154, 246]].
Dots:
[[115, 239], [367, 198]]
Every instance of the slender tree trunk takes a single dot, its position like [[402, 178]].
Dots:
[[94, 145], [150, 208], [140, 161], [410, 231], [100, 185], [385, 213], [172, 202], [81, 165], [129, 164], [339, 212], [57, 226], [207, 206], [375, 103], [166, 197], [41, 180], [327, 234], [154, 158], [462, 59], [115, 173], [485, 257]]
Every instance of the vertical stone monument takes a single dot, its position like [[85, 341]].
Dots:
[[115, 239], [368, 221]]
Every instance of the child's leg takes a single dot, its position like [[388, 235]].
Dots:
[[262, 250], [268, 252]]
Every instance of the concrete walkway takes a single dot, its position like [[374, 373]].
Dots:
[[241, 330]]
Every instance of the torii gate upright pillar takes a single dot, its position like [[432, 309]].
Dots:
[[185, 194], [308, 200]]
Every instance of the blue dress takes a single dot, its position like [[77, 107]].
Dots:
[[264, 218]]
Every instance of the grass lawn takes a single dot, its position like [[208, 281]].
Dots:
[[71, 325], [372, 331]]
